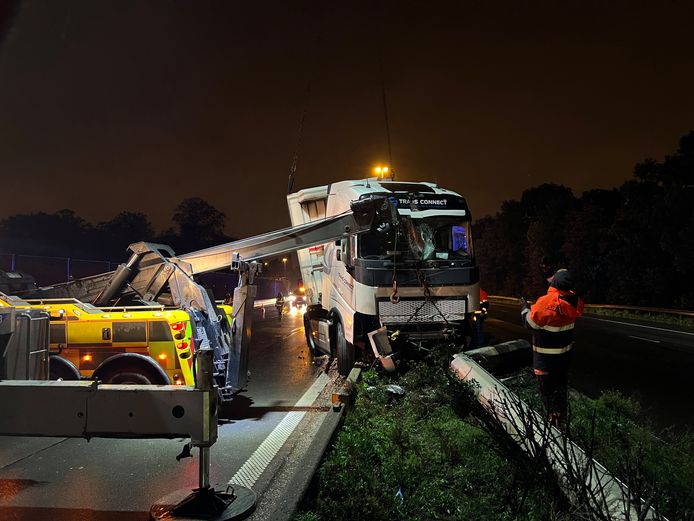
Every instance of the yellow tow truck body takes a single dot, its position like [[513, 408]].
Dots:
[[94, 340]]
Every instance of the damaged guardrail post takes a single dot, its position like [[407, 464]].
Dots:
[[205, 502], [532, 433]]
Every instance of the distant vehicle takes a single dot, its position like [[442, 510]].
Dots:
[[297, 302], [416, 280]]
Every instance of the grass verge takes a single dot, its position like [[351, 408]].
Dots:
[[423, 456], [657, 318]]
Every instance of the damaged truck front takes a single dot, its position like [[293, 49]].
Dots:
[[398, 288]]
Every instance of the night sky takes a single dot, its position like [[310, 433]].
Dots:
[[114, 105]]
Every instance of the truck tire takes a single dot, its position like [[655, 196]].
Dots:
[[345, 351], [60, 368], [310, 342]]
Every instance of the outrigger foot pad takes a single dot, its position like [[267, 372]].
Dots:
[[235, 503]]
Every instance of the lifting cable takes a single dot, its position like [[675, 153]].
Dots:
[[307, 99], [297, 149]]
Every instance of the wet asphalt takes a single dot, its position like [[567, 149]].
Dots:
[[651, 362], [103, 480]]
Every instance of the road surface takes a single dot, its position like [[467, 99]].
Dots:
[[103, 480], [651, 362]]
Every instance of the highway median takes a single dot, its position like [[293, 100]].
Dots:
[[415, 446]]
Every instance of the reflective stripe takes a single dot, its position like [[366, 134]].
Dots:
[[551, 329], [552, 351], [556, 329]]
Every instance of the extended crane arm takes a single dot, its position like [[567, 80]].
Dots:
[[361, 219], [152, 267]]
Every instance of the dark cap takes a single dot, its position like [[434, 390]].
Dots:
[[562, 280]]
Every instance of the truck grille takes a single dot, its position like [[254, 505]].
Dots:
[[421, 311]]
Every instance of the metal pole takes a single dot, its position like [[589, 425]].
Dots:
[[68, 269], [205, 382], [204, 471], [12, 262]]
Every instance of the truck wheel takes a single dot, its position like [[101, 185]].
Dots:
[[60, 368], [126, 379], [310, 342], [345, 351]]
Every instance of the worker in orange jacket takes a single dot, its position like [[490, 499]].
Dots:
[[552, 319]]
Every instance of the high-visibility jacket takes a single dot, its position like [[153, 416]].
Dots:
[[552, 319]]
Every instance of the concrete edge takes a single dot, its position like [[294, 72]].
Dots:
[[296, 485]]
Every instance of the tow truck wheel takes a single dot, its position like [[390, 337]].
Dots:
[[131, 369], [345, 351], [127, 379], [62, 369]]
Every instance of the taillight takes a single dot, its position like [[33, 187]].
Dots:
[[182, 345], [178, 326]]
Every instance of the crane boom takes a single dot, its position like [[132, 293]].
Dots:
[[280, 242], [152, 268]]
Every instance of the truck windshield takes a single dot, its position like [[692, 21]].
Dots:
[[431, 238]]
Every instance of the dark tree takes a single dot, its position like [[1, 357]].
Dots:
[[545, 208], [121, 231], [639, 270], [675, 171], [199, 225], [672, 215], [500, 243], [62, 233], [589, 241]]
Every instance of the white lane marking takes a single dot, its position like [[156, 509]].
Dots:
[[645, 339], [640, 325], [250, 471]]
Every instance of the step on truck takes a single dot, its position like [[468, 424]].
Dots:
[[407, 284]]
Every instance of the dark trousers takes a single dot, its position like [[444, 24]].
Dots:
[[552, 373], [553, 388]]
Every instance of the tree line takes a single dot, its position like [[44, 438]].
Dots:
[[629, 245], [196, 225]]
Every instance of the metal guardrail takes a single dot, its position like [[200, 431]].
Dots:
[[638, 309]]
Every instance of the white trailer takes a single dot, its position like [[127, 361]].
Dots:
[[416, 281]]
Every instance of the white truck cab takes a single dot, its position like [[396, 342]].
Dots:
[[418, 279]]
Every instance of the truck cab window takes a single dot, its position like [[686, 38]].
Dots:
[[429, 238]]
